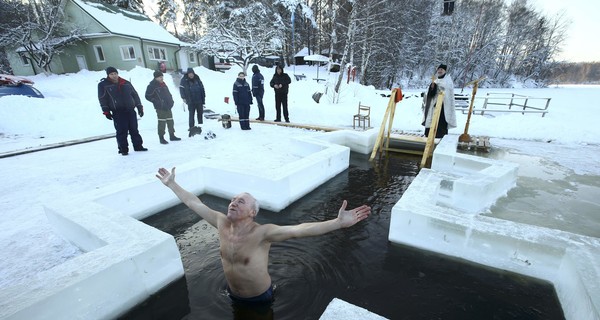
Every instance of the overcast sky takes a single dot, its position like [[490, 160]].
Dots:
[[579, 46]]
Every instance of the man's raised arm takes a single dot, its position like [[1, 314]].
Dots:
[[189, 199], [345, 219]]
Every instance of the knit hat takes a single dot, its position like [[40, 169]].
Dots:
[[255, 68], [190, 70], [157, 74], [110, 70], [443, 66]]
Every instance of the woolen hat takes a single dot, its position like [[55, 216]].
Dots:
[[443, 66], [157, 74], [110, 70], [190, 70]]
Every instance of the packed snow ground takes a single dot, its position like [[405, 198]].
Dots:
[[71, 111]]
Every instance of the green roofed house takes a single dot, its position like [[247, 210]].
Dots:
[[109, 36]]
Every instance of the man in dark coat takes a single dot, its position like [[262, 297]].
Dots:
[[281, 82], [258, 90], [118, 100], [192, 93], [158, 93], [242, 97]]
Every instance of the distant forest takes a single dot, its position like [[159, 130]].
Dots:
[[576, 73]]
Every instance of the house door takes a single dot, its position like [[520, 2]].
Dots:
[[81, 62]]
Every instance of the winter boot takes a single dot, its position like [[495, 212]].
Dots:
[[124, 151], [174, 138], [162, 140], [140, 148]]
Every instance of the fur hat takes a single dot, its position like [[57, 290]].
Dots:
[[190, 70], [443, 66], [110, 70], [157, 74]]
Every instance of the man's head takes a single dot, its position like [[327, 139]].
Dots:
[[241, 75], [242, 206], [190, 73], [158, 76], [255, 69], [279, 69], [441, 70], [112, 74]]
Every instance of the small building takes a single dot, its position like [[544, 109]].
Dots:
[[111, 36]]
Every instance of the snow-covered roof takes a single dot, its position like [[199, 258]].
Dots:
[[120, 21], [302, 53]]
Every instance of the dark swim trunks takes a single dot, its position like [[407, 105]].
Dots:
[[266, 297]]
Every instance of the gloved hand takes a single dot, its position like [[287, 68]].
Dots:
[[140, 111], [107, 115]]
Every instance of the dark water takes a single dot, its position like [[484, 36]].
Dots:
[[357, 265]]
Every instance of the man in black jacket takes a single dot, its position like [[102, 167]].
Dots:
[[281, 82], [158, 93], [242, 96], [118, 100], [192, 93], [258, 90]]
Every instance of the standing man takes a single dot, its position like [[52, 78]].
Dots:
[[242, 96], [118, 100], [192, 93], [245, 244], [258, 90], [281, 82], [158, 93], [442, 82]]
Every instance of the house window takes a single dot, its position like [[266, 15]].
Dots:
[[24, 58], [192, 57], [156, 53], [127, 53], [99, 53]]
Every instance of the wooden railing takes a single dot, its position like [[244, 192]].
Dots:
[[510, 102]]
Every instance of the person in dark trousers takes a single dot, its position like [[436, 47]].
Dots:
[[118, 100], [281, 82], [158, 93], [448, 7], [441, 82], [192, 93], [258, 90], [242, 96]]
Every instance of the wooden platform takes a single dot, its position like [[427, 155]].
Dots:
[[477, 143]]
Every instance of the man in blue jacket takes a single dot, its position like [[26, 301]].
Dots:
[[258, 90], [192, 93], [118, 100], [158, 93], [242, 96]]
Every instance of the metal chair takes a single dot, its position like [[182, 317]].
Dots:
[[363, 117]]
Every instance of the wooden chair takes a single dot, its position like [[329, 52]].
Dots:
[[363, 117]]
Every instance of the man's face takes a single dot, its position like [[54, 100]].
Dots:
[[440, 72], [241, 76], [190, 75], [113, 76], [160, 79], [279, 71], [241, 206]]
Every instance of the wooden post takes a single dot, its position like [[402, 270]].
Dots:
[[465, 136], [388, 116], [433, 130]]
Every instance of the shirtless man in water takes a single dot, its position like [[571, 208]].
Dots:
[[245, 244]]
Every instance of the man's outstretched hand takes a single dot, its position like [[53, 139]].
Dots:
[[165, 176], [349, 218]]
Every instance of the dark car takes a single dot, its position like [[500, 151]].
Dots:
[[14, 85]]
